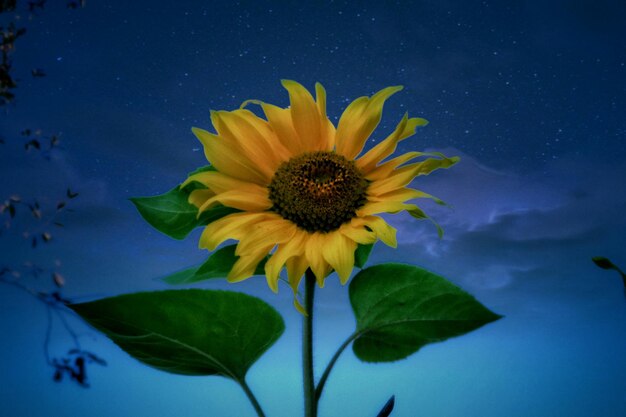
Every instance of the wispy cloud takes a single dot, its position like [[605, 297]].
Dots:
[[508, 231]]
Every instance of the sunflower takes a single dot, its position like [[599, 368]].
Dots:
[[304, 194]]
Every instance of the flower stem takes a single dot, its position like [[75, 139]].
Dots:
[[251, 397], [310, 405]]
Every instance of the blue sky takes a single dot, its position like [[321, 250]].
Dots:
[[531, 96]]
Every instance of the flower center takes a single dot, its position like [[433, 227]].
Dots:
[[318, 191]]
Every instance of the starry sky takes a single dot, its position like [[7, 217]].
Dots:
[[531, 95]]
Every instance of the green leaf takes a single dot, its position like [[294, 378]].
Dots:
[[361, 254], [188, 332], [218, 265], [182, 277], [170, 213], [400, 308], [202, 169], [221, 262]]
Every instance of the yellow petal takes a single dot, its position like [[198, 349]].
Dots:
[[200, 196], [349, 124], [231, 192], [385, 169], [357, 232], [271, 231], [327, 130], [245, 266], [228, 159], [404, 175], [232, 226], [338, 251], [299, 306], [280, 122], [405, 128], [330, 135], [384, 231], [293, 247], [320, 99], [381, 207], [403, 194], [247, 200], [296, 267], [315, 258], [219, 182], [359, 120], [265, 134], [263, 131], [248, 141], [305, 116]]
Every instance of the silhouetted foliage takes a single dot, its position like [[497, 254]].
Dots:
[[7, 5], [39, 230], [37, 141], [9, 35], [36, 220], [74, 367]]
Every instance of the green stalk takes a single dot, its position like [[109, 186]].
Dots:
[[252, 398], [310, 404]]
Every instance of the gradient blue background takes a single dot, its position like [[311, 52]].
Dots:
[[531, 95]]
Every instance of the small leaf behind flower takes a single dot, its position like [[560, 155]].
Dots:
[[172, 214], [202, 169], [361, 254], [218, 265], [188, 332], [401, 308]]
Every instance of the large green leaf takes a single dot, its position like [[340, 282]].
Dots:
[[218, 265], [170, 213], [400, 308], [189, 332]]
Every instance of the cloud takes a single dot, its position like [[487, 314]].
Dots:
[[533, 231]]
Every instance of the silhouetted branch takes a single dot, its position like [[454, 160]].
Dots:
[[74, 364], [39, 218]]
